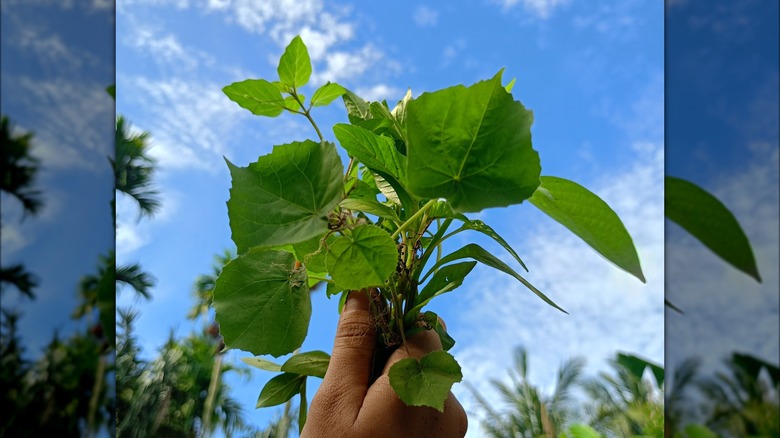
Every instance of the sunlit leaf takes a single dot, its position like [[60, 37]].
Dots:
[[327, 94], [280, 389], [259, 96], [363, 258], [591, 219], [295, 65], [285, 197], [310, 363], [472, 146]]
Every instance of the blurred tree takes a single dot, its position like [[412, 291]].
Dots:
[[530, 413]]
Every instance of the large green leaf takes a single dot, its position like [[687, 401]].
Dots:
[[259, 96], [263, 303], [471, 146], [285, 197], [294, 65], [479, 254], [327, 93], [426, 382], [590, 218], [363, 258], [312, 363], [708, 220], [280, 389]]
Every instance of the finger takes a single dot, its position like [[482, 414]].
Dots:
[[353, 349]]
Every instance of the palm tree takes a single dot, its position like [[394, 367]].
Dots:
[[625, 404], [530, 413], [680, 407], [742, 402], [19, 170], [133, 168]]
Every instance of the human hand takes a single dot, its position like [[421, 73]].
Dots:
[[346, 406]]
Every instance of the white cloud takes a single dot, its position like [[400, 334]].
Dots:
[[541, 8], [12, 239], [133, 232], [612, 19], [380, 92], [343, 66], [165, 48], [425, 16], [610, 310], [74, 124]]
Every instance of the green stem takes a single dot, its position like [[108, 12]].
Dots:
[[414, 217], [314, 277], [306, 113]]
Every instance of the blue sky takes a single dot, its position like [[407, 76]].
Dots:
[[592, 74]]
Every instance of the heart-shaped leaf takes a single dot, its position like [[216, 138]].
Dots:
[[426, 382], [471, 146], [590, 218], [263, 303], [363, 258], [285, 197]]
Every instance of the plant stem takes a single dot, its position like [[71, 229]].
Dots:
[[414, 217], [314, 277], [308, 115]]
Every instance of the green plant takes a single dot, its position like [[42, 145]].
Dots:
[[299, 218]]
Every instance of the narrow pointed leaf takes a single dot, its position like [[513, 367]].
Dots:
[[444, 280], [510, 85], [426, 382], [295, 65], [364, 258], [709, 221], [280, 389], [263, 303], [311, 363], [258, 96], [479, 254], [471, 146], [591, 219], [636, 365], [263, 364], [479, 226], [285, 197], [371, 207], [327, 94]]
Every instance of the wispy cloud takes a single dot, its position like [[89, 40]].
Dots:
[[165, 48], [541, 8], [380, 92], [425, 16], [133, 232]]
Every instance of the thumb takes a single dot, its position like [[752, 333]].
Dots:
[[353, 349]]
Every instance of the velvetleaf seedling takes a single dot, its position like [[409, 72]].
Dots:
[[299, 217]]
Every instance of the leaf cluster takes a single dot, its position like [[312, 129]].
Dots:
[[299, 217]]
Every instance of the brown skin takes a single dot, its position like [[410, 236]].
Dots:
[[346, 406]]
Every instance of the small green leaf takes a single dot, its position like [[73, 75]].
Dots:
[[444, 280], [426, 382], [312, 255], [376, 152], [357, 108], [285, 197], [479, 254], [327, 94], [295, 65], [303, 408], [364, 258], [111, 90], [591, 219], [259, 96], [432, 320], [263, 364], [280, 389], [370, 207], [399, 112], [709, 221], [510, 85], [471, 146], [583, 431], [311, 363], [698, 431], [263, 303]]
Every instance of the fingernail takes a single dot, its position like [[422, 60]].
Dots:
[[356, 300]]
